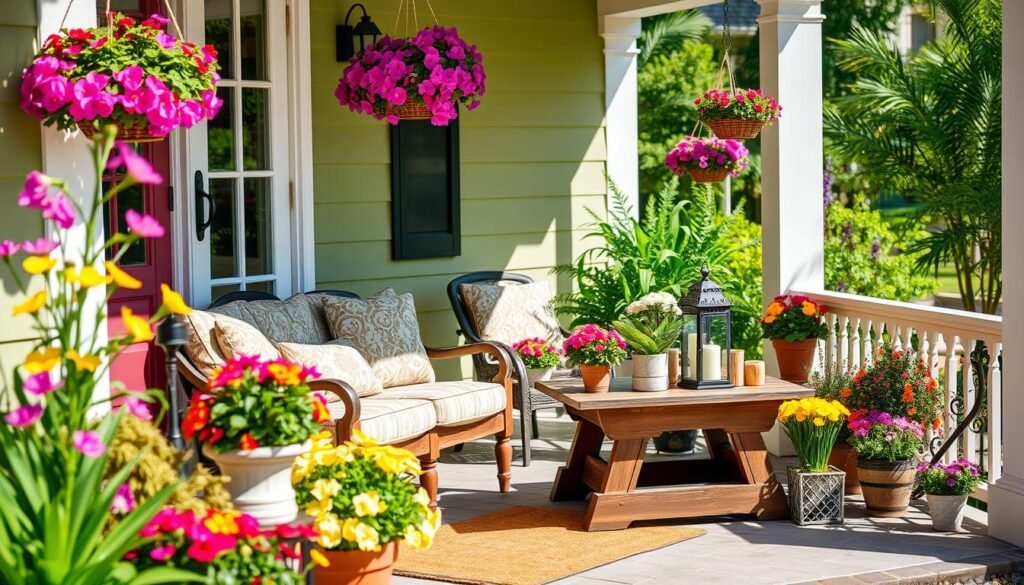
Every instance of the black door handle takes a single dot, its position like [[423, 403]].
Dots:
[[203, 223]]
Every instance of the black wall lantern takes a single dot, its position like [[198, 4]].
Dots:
[[365, 29], [707, 335]]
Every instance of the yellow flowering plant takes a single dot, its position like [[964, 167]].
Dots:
[[361, 495], [813, 425]]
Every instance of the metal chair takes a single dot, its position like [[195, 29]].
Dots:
[[524, 399]]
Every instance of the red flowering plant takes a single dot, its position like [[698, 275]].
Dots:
[[537, 353], [436, 70], [591, 345], [253, 403], [743, 104], [897, 382], [793, 318], [132, 74], [226, 546]]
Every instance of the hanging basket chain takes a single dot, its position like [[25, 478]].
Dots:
[[106, 12], [410, 9]]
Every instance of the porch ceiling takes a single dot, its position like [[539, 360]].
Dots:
[[642, 8]]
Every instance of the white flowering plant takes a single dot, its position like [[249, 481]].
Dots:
[[361, 495], [651, 324]]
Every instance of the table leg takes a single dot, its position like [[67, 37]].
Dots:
[[757, 469], [569, 480], [621, 474]]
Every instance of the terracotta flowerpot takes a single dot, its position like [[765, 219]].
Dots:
[[596, 378], [261, 483], [886, 485], [795, 358], [845, 458], [356, 567]]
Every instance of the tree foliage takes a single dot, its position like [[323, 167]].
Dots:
[[929, 129]]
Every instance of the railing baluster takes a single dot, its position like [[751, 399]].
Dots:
[[970, 438], [830, 358], [951, 373], [844, 343], [856, 345]]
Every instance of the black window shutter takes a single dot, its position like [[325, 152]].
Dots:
[[425, 219]]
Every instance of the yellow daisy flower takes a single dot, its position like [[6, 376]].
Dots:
[[121, 278], [32, 304], [173, 301], [138, 328], [38, 264]]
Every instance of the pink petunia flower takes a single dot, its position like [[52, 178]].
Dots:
[[91, 100], [25, 415], [39, 247], [124, 500], [59, 209], [143, 225], [40, 384], [166, 41], [8, 248], [137, 167], [33, 194], [137, 408], [88, 443], [162, 553]]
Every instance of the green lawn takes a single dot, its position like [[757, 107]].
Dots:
[[947, 280]]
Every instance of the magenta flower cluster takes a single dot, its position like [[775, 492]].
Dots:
[[958, 478], [860, 426], [591, 345], [747, 104], [87, 76], [436, 69], [704, 153]]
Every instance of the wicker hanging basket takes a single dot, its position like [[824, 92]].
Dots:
[[413, 111], [138, 132], [736, 128], [700, 175]]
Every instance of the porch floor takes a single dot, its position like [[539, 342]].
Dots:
[[864, 550]]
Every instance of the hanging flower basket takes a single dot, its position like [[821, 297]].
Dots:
[[707, 160], [425, 77], [737, 115], [130, 74]]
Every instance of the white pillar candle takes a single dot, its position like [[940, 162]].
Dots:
[[712, 363], [691, 356]]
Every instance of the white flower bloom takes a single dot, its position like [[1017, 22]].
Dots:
[[662, 301]]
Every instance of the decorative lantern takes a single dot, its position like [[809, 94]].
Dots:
[[346, 34], [707, 335]]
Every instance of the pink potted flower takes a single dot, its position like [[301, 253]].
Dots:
[[130, 74], [707, 160], [738, 114], [540, 358], [423, 78], [595, 351]]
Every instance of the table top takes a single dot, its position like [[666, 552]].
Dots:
[[569, 391]]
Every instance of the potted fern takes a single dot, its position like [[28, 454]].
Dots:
[[651, 325]]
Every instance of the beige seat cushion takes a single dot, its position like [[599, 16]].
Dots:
[[335, 361], [390, 420], [289, 321], [455, 403], [510, 312], [201, 346], [385, 331], [237, 338]]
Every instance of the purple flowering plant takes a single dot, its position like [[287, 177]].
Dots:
[[591, 345], [959, 478], [128, 73], [436, 69], [877, 434], [707, 153]]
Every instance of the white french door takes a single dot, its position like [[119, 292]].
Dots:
[[238, 175]]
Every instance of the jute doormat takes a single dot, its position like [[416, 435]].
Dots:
[[528, 546]]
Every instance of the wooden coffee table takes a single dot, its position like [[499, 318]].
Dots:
[[738, 479]]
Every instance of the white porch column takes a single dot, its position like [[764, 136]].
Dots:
[[791, 158], [620, 34], [1006, 496]]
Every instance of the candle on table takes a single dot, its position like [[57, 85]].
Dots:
[[736, 367], [712, 362], [753, 374], [673, 366]]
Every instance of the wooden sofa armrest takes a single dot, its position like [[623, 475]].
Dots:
[[192, 378], [499, 351], [344, 426]]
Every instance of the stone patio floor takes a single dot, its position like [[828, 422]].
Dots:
[[734, 550]]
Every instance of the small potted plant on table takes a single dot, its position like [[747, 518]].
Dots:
[[256, 418], [651, 325], [947, 488], [815, 488], [595, 351], [363, 501], [887, 447], [794, 325], [540, 358]]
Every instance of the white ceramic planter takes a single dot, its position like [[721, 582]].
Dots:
[[260, 482], [947, 512], [650, 372], [534, 375]]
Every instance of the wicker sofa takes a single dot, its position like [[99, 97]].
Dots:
[[422, 417]]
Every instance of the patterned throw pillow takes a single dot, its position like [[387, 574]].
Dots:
[[288, 321], [385, 331], [335, 361], [235, 338], [511, 312], [201, 346]]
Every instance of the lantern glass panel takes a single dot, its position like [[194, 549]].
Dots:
[[715, 345], [688, 350]]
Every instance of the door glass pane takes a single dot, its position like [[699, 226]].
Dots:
[[223, 255], [219, 34], [131, 198], [267, 287], [254, 40], [255, 123], [258, 242], [130, 7], [219, 291], [220, 133]]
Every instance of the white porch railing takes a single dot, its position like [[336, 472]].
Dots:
[[946, 337]]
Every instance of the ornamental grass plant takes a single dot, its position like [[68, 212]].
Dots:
[[812, 424]]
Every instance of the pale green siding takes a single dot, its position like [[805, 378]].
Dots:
[[532, 155], [19, 153]]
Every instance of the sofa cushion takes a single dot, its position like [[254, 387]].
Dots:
[[201, 346], [510, 312], [236, 338], [390, 420], [288, 321], [335, 361], [455, 403], [383, 328]]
